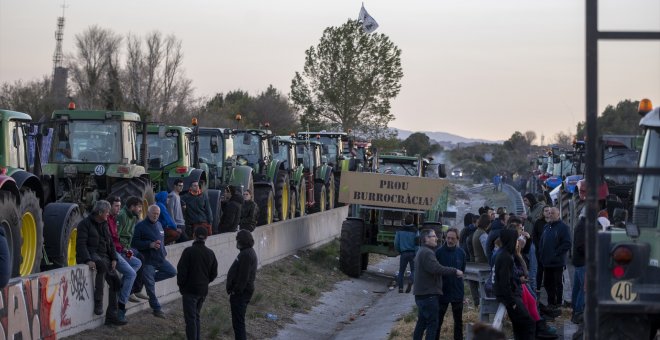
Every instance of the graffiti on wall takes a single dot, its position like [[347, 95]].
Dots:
[[79, 284]]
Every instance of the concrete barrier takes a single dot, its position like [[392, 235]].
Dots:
[[60, 302]]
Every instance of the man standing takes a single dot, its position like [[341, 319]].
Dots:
[[240, 281], [176, 211], [404, 243], [198, 209], [127, 264], [554, 246], [196, 269], [508, 289], [428, 285], [149, 240], [231, 211], [94, 247], [451, 256], [577, 298]]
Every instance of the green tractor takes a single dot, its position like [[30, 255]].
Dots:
[[318, 175], [170, 157], [92, 154], [370, 228], [21, 196], [254, 148], [284, 150]]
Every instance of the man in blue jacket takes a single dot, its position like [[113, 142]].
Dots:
[[404, 243], [148, 238], [553, 249], [449, 255]]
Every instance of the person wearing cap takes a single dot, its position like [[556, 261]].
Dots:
[[196, 269], [240, 281]]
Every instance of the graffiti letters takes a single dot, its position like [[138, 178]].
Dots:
[[79, 284], [64, 303], [25, 309]]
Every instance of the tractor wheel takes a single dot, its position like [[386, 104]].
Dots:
[[623, 326], [216, 209], [293, 204], [350, 256], [137, 187], [364, 263], [265, 200], [10, 223], [330, 191], [32, 227], [282, 195], [302, 199], [319, 197], [61, 235]]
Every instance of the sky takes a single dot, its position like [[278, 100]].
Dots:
[[474, 68]]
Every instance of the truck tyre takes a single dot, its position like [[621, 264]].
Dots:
[[364, 263], [265, 200], [320, 198], [337, 183], [215, 200], [330, 190], [294, 203], [350, 257], [137, 187], [60, 239], [32, 227], [623, 326], [10, 223], [282, 195], [302, 198]]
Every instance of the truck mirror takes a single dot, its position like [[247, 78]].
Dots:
[[325, 149], [161, 131], [276, 147], [350, 143], [214, 144], [246, 139], [16, 140], [442, 171], [63, 132]]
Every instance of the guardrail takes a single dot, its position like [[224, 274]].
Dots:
[[515, 197], [60, 302]]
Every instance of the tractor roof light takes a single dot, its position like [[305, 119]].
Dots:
[[267, 125], [238, 117], [645, 106], [622, 255], [194, 122], [72, 105]]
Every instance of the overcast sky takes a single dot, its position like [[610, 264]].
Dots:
[[475, 68]]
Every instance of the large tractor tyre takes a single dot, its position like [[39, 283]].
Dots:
[[265, 200], [61, 235], [32, 228], [137, 187], [623, 326], [293, 204], [302, 199], [282, 195], [320, 198], [331, 192], [337, 183], [215, 199], [350, 256], [10, 223]]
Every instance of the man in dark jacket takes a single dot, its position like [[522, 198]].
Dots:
[[240, 281], [507, 287], [428, 285], [495, 228], [554, 246], [94, 247], [578, 260], [149, 239], [451, 256], [198, 209], [249, 212], [196, 269], [231, 211]]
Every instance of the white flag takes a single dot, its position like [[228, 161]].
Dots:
[[369, 24]]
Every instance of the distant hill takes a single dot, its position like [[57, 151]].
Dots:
[[445, 137]]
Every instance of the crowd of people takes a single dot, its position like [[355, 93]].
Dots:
[[130, 254], [527, 253]]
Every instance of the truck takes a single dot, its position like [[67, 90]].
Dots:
[[380, 199]]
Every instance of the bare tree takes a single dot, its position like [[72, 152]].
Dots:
[[96, 49], [563, 139], [32, 97], [530, 136]]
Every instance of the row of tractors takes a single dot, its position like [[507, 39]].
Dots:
[[52, 173]]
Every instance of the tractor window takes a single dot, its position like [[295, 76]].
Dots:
[[648, 186], [162, 151], [282, 155], [303, 154], [330, 150], [205, 154], [17, 153], [86, 141], [249, 146]]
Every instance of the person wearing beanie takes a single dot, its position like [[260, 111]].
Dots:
[[240, 281], [196, 269]]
